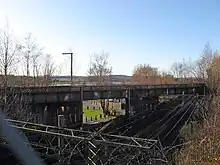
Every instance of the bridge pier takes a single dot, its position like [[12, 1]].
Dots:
[[53, 111], [127, 107], [47, 113], [127, 103], [73, 113], [141, 104], [39, 114]]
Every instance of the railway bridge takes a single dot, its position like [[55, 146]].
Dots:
[[47, 101], [137, 141]]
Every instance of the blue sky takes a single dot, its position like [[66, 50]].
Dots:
[[155, 32]]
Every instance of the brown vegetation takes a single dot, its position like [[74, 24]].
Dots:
[[204, 143], [147, 75]]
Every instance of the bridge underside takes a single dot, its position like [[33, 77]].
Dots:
[[48, 113], [71, 95]]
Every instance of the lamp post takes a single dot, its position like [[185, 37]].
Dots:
[[71, 66]]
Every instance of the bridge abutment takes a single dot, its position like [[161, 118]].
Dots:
[[47, 111], [139, 104]]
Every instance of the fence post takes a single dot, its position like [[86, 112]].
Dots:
[[60, 123], [183, 97], [204, 90]]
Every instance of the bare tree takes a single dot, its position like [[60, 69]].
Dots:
[[35, 63], [9, 53], [201, 65], [199, 70], [9, 49], [49, 69], [177, 69], [100, 69], [29, 49], [90, 70], [31, 52]]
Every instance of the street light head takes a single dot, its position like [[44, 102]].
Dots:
[[66, 53]]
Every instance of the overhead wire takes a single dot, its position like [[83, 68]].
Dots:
[[165, 121], [158, 122], [186, 122]]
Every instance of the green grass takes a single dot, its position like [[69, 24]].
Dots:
[[93, 113]]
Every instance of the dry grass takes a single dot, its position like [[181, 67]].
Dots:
[[204, 146]]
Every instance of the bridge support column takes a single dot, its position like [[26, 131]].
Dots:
[[148, 107], [76, 112], [127, 107], [154, 107], [148, 103], [71, 114], [55, 110], [138, 106], [127, 103], [45, 115], [80, 107], [66, 112], [40, 110]]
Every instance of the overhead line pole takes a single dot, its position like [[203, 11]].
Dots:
[[71, 66]]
